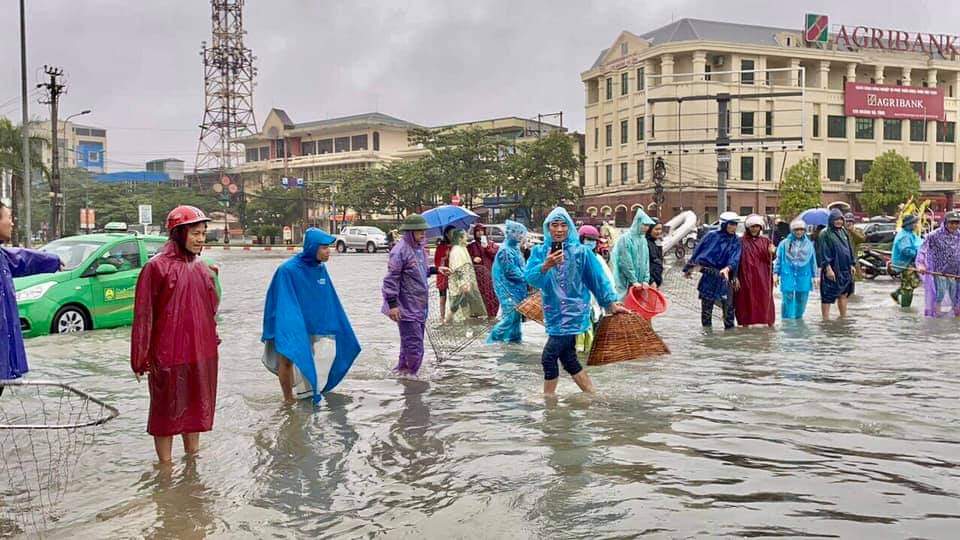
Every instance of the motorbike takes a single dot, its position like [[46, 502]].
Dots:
[[875, 262]]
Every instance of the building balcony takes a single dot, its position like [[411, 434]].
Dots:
[[314, 160]]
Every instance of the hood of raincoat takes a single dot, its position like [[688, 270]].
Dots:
[[412, 242], [515, 232], [560, 214], [639, 220], [302, 303], [313, 240], [942, 250], [836, 214]]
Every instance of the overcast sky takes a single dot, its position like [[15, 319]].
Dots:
[[136, 64]]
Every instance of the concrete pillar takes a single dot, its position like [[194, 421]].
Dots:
[[852, 72], [794, 72], [906, 76], [761, 76], [878, 74], [666, 68], [734, 67], [699, 65], [824, 75], [649, 67], [932, 78]]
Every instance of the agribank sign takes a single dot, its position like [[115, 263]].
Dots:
[[864, 37], [867, 100]]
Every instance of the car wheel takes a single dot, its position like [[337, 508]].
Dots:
[[341, 247], [70, 319], [371, 247]]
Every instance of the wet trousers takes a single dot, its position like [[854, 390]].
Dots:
[[794, 304], [564, 349], [411, 346], [706, 311], [908, 282], [507, 329]]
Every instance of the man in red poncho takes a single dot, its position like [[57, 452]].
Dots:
[[753, 288], [483, 254], [174, 337]]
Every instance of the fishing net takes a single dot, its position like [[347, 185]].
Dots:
[[682, 292], [45, 427], [464, 318], [625, 336]]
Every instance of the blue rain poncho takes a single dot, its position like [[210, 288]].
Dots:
[[509, 284], [718, 250], [796, 264], [906, 245], [14, 263], [302, 305], [566, 288], [630, 260]]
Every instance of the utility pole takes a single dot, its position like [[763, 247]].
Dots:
[[24, 131], [723, 150], [54, 91]]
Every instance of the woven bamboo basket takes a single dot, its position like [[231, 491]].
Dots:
[[532, 307], [622, 337]]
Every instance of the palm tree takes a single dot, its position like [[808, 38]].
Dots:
[[11, 159]]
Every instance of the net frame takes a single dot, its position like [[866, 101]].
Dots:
[[450, 338]]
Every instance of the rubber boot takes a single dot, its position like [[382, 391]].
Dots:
[[896, 296], [906, 298]]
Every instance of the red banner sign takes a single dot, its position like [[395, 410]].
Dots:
[[866, 100]]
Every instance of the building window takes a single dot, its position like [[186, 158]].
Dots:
[[860, 168], [609, 133], [746, 123], [609, 88], [641, 83], [946, 131], [746, 210], [280, 148], [341, 144], [609, 175], [640, 170], [837, 127], [623, 173], [264, 153], [596, 138], [624, 131], [624, 83], [892, 130], [358, 142], [706, 72], [376, 141], [918, 130], [653, 126], [944, 172], [836, 169], [768, 168], [308, 147], [746, 168], [639, 128], [920, 167], [253, 154], [325, 146], [769, 122], [746, 71], [865, 128], [816, 125]]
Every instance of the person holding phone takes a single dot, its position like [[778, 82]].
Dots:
[[566, 273]]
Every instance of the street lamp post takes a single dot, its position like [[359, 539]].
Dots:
[[63, 191]]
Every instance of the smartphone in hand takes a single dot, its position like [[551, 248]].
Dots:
[[557, 246]]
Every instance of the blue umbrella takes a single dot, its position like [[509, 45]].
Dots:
[[441, 217], [815, 216]]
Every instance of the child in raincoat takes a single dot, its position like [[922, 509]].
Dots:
[[509, 284], [463, 294], [567, 274], [308, 340], [906, 245], [796, 268], [630, 260], [589, 236], [174, 339]]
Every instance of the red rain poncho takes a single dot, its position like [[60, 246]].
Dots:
[[175, 341], [754, 299], [486, 255]]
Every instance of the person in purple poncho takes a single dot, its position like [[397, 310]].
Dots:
[[14, 263], [939, 258], [406, 293]]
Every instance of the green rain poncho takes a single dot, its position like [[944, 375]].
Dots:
[[630, 260]]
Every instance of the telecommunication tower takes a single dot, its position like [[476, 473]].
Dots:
[[228, 74]]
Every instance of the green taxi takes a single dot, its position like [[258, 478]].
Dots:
[[94, 290]]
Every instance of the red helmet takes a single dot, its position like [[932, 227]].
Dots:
[[185, 215], [589, 231]]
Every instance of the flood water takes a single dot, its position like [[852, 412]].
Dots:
[[841, 429]]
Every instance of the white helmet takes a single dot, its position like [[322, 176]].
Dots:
[[754, 219], [798, 224], [729, 216]]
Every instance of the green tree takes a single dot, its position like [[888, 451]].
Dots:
[[890, 181], [800, 188], [543, 173], [464, 161], [11, 159]]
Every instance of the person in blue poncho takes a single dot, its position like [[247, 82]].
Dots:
[[566, 274], [906, 245], [509, 284], [630, 260], [836, 261], [718, 256], [796, 268], [308, 340], [14, 263]]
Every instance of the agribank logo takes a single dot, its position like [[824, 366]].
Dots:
[[816, 28]]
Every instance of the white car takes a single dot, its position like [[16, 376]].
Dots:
[[360, 238]]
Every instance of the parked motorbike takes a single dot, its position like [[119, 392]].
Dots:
[[875, 262]]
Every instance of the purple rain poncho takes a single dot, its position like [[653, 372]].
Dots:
[[14, 263], [405, 285], [940, 253]]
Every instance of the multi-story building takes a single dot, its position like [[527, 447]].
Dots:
[[79, 145], [841, 98], [171, 166]]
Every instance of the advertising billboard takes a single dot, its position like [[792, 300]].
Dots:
[[865, 100]]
